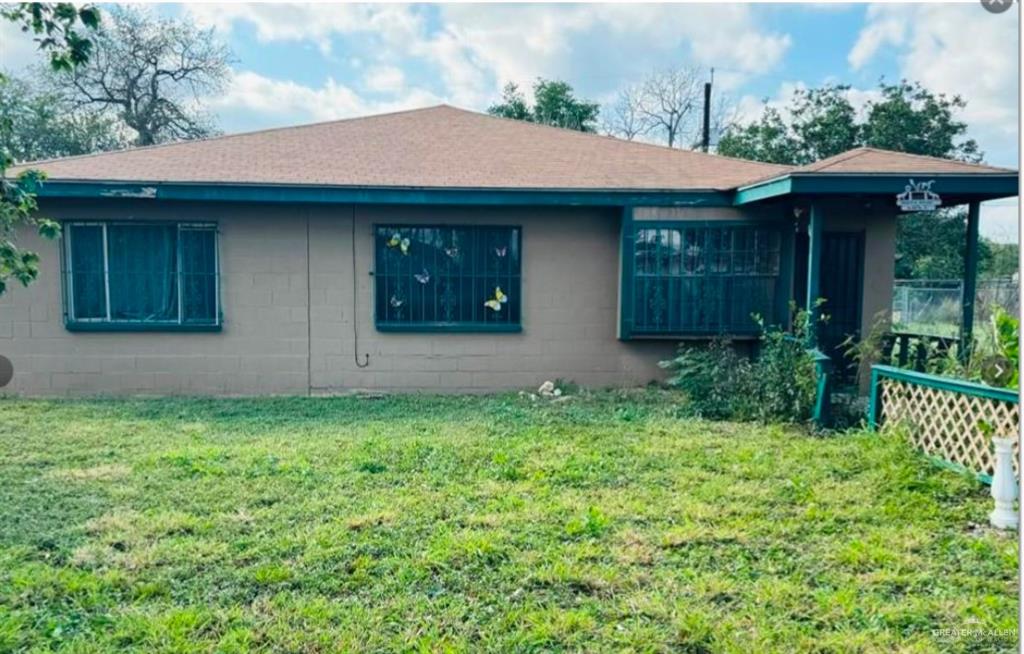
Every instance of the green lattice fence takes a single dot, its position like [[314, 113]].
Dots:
[[944, 416]]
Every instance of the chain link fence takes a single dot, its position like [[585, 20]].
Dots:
[[932, 306]]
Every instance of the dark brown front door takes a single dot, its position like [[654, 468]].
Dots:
[[842, 286]]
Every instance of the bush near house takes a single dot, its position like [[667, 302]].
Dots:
[[777, 384], [601, 522]]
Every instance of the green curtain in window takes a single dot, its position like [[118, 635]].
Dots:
[[88, 290], [198, 274], [142, 263]]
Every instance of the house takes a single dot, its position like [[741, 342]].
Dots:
[[442, 249]]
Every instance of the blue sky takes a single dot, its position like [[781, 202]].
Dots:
[[305, 63]]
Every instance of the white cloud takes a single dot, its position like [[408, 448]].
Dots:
[[473, 49], [312, 22], [253, 98], [385, 79], [957, 49], [881, 30]]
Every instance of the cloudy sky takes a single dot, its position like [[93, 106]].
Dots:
[[305, 63]]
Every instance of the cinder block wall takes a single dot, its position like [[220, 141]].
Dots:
[[569, 315], [281, 336]]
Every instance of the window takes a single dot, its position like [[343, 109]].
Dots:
[[697, 278], [141, 276], [447, 278]]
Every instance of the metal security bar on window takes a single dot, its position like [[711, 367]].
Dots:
[[703, 278], [440, 278], [121, 275]]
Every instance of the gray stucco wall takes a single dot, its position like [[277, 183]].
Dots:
[[284, 336]]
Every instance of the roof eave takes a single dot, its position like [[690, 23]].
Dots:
[[974, 185], [325, 194]]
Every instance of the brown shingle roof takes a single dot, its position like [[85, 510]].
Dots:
[[873, 160], [436, 147]]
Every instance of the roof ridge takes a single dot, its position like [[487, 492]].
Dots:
[[852, 153], [929, 157], [222, 137], [609, 137]]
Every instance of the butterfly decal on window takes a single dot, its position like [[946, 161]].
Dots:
[[452, 252], [396, 301], [501, 252], [494, 304], [422, 277], [396, 241]]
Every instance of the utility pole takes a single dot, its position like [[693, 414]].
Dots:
[[705, 140]]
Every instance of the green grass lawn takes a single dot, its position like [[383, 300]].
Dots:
[[601, 523]]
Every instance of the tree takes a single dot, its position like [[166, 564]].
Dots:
[[554, 104], [151, 73], [624, 117], [667, 103], [671, 100], [64, 33], [766, 139], [906, 118], [62, 29], [930, 245], [37, 124], [1004, 260], [823, 122], [910, 118]]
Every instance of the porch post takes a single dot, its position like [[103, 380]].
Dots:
[[970, 280], [813, 272]]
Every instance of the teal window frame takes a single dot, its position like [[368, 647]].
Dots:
[[631, 281], [512, 277], [108, 323]]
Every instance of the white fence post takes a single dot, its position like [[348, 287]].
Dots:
[[1004, 486]]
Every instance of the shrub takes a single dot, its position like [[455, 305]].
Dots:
[[779, 384], [711, 375]]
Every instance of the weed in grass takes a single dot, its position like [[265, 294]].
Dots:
[[500, 524]]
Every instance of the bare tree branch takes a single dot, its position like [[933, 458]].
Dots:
[[671, 101], [152, 72], [625, 118]]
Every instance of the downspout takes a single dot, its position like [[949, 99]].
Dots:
[[355, 302]]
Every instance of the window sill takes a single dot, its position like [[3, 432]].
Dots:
[[78, 326], [690, 336], [464, 328]]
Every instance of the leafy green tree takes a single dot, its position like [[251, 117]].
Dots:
[[513, 104], [766, 139], [37, 124], [62, 29], [906, 118], [1004, 260], [64, 32], [930, 245], [823, 122], [910, 118], [554, 104]]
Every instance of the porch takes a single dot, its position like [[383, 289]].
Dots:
[[822, 238]]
